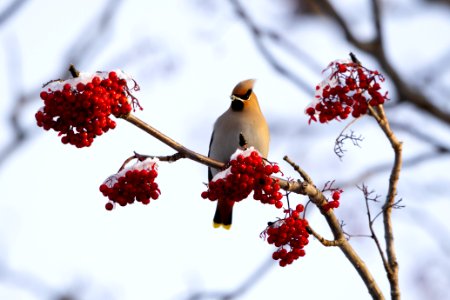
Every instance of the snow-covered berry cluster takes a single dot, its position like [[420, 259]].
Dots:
[[334, 202], [247, 172], [135, 183], [348, 90], [289, 235], [79, 109]]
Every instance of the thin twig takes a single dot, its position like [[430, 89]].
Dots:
[[258, 34], [371, 221], [299, 170], [173, 144], [390, 203], [324, 241]]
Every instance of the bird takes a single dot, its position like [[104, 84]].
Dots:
[[243, 122]]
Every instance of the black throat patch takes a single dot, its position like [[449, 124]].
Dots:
[[237, 105]]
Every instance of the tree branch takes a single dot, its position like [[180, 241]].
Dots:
[[305, 187], [10, 10], [390, 202], [322, 240], [172, 143], [371, 220], [317, 197]]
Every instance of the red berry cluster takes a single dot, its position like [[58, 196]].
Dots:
[[334, 203], [81, 111], [246, 174], [134, 184], [350, 89], [289, 235]]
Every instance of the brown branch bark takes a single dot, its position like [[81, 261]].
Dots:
[[187, 153], [392, 273], [317, 197], [324, 241], [373, 234]]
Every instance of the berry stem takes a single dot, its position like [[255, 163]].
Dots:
[[73, 71]]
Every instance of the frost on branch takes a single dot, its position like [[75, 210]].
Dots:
[[247, 172], [79, 109], [135, 183], [349, 89]]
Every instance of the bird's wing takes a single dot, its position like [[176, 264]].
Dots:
[[210, 176]]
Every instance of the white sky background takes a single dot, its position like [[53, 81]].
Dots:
[[53, 225]]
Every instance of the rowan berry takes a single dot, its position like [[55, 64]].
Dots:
[[135, 183], [349, 90], [247, 172], [289, 235], [334, 203], [79, 109]]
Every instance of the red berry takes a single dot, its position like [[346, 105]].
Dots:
[[43, 95], [134, 185], [336, 195], [109, 206], [289, 235], [299, 208], [79, 112], [248, 173]]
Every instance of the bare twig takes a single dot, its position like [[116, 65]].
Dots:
[[10, 10], [373, 235], [258, 34], [390, 202], [173, 144], [299, 170], [322, 240], [342, 137]]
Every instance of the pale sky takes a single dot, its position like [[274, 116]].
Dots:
[[56, 236]]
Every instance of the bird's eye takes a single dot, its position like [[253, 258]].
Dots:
[[247, 95], [243, 96]]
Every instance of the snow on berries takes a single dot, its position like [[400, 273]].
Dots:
[[289, 235], [247, 172], [135, 183], [79, 109], [349, 90]]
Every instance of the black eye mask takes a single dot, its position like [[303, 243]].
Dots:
[[246, 95]]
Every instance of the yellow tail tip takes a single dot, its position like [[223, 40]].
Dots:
[[217, 225]]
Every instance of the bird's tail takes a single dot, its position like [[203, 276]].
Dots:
[[224, 214]]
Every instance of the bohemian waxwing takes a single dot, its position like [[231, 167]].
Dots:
[[243, 121]]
